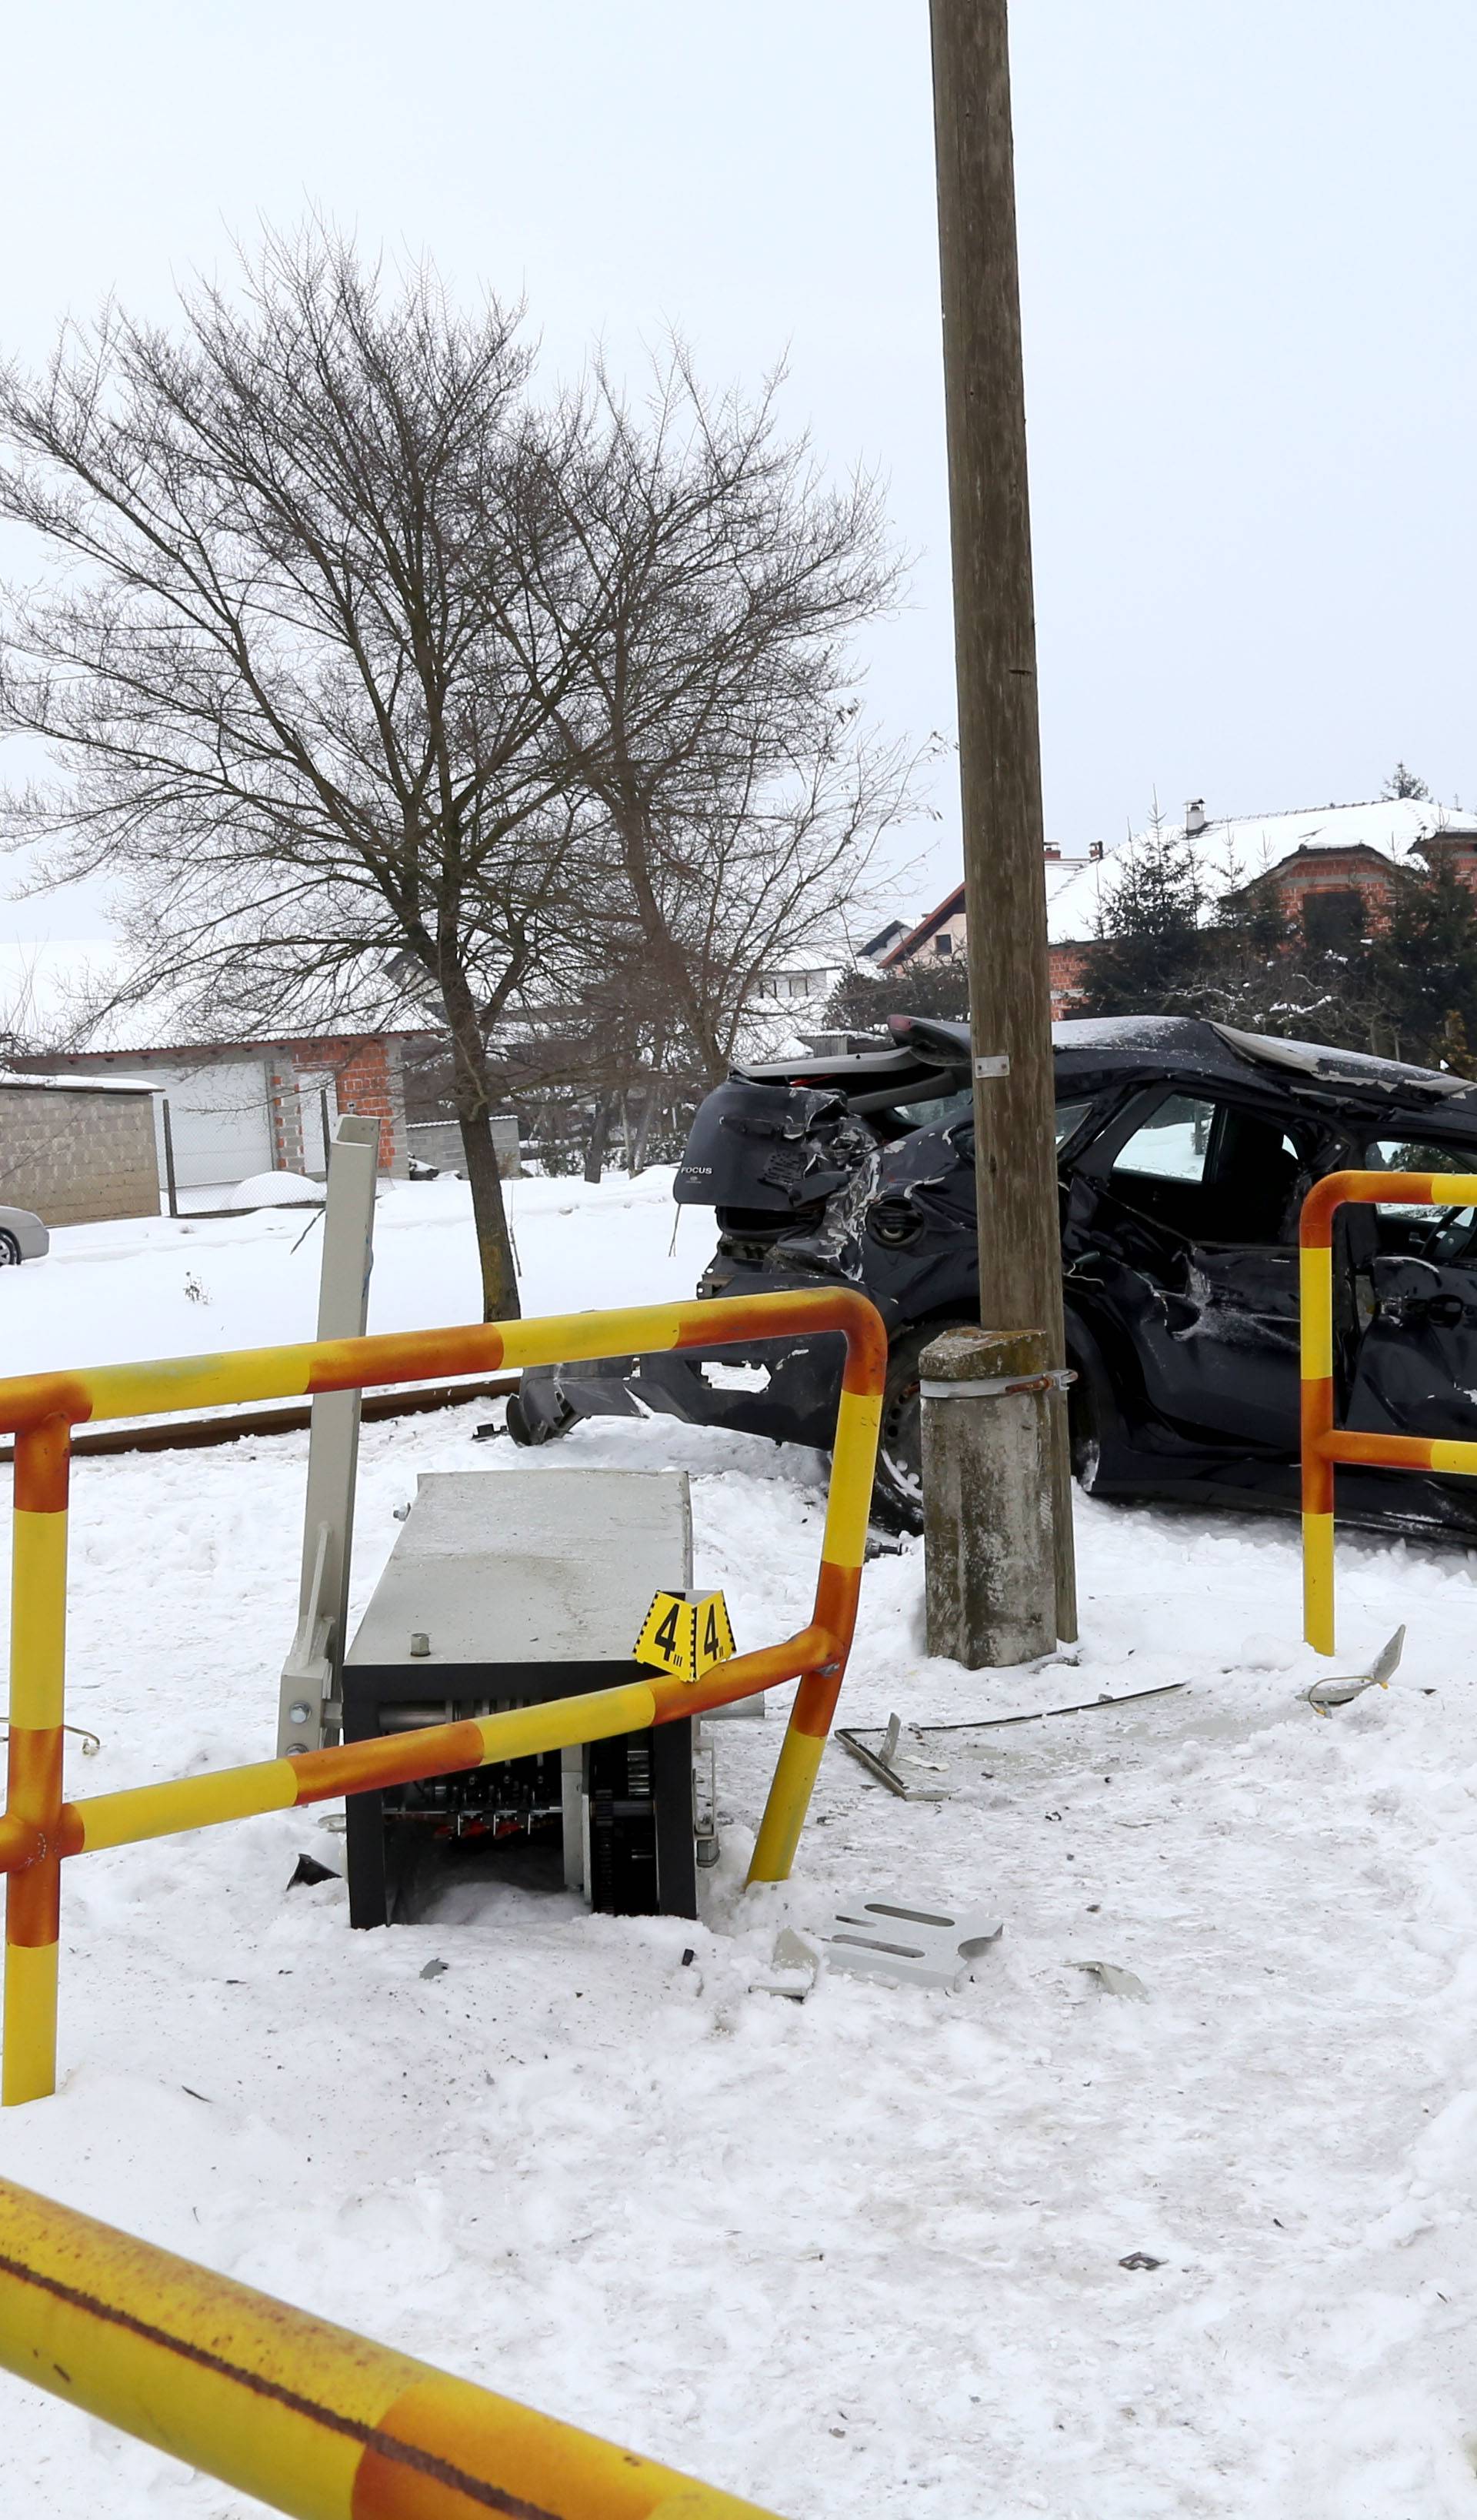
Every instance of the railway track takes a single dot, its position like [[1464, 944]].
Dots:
[[187, 1434]]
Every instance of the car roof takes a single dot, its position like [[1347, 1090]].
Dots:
[[1089, 1050], [1120, 1045]]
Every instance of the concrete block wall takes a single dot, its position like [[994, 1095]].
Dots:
[[74, 1157], [439, 1143]]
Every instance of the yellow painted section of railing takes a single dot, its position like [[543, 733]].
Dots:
[[785, 1812], [848, 1505], [1324, 1445], [38, 1830], [310, 2419], [31, 2023], [1316, 1309]]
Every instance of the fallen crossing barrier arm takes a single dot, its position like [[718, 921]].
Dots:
[[1324, 1444], [310, 2419], [39, 1831]]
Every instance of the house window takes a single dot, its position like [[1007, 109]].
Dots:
[[1334, 920], [943, 944]]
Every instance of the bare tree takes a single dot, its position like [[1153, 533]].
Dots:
[[306, 658], [714, 715]]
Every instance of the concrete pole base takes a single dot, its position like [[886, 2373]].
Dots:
[[989, 1565]]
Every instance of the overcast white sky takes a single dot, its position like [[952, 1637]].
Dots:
[[1247, 233]]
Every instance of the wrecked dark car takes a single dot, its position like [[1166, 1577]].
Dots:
[[1184, 1152]]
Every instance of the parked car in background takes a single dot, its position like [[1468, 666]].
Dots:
[[22, 1236], [1185, 1150]]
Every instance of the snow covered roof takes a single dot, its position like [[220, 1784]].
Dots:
[[1061, 867], [81, 1084], [51, 993], [1237, 849]]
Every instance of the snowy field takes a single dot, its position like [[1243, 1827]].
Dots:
[[860, 2255]]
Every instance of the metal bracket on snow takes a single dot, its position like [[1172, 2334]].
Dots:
[[882, 1764], [1327, 1693]]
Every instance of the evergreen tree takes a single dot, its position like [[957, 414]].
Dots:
[[931, 984], [1404, 783], [1149, 953], [1424, 965]]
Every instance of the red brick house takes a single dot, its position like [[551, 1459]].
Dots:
[[945, 930], [1323, 862]]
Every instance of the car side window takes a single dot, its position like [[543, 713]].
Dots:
[[939, 1111], [1173, 1142], [1215, 1171], [1433, 1232], [1069, 1119]]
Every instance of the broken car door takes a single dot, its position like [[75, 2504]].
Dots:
[[1415, 1268], [1183, 1222]]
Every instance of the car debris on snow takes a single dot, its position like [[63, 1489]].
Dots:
[[1113, 1980], [1327, 1693], [904, 1942], [887, 1767]]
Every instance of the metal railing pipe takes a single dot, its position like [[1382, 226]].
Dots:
[[1323, 1444], [312, 2420], [38, 1830]]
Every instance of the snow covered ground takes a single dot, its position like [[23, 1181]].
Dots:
[[862, 2254]]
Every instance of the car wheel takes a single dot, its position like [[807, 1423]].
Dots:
[[897, 1496], [10, 1251], [517, 1424]]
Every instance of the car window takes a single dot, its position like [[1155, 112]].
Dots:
[[939, 1112], [1443, 1232], [1069, 1119], [1215, 1171], [1173, 1143], [1416, 1155]]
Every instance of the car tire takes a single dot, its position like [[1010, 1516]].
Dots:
[[897, 1496], [10, 1251], [517, 1424]]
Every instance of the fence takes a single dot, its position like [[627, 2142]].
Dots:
[[308, 2417], [1324, 1444], [39, 1831]]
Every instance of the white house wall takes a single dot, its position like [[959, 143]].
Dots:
[[220, 1120]]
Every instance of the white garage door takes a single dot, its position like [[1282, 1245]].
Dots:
[[219, 1119]]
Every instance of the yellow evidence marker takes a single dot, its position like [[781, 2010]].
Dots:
[[685, 1634]]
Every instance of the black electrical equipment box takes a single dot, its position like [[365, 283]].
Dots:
[[507, 1591]]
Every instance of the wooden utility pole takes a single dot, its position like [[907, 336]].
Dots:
[[999, 735]]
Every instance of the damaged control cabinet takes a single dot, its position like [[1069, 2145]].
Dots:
[[507, 1591]]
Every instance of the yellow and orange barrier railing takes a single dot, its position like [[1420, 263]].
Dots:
[[1324, 1444], [310, 2419], [39, 1829]]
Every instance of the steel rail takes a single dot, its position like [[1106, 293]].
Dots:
[[308, 2417], [1324, 1445], [195, 1435], [39, 1829]]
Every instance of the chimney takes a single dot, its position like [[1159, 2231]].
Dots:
[[1094, 850], [1196, 819], [1051, 849]]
